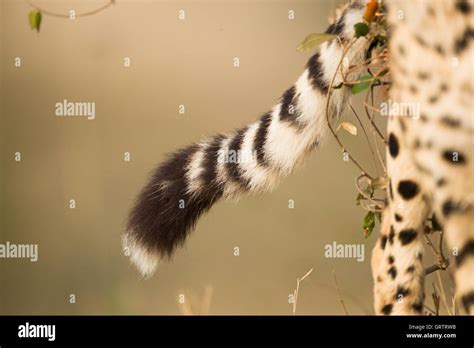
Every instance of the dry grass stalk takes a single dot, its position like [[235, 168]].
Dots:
[[296, 291]]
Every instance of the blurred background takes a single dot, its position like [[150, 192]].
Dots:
[[172, 62]]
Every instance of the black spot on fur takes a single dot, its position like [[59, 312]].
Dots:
[[417, 306], [416, 144], [433, 99], [420, 41], [401, 292], [393, 145], [391, 259], [468, 300], [234, 156], [463, 6], [408, 189], [438, 48], [443, 87], [454, 157], [157, 222], [413, 89], [449, 207], [450, 122], [316, 74], [441, 182], [398, 218], [423, 118], [392, 272], [261, 138], [387, 309], [407, 236], [423, 75], [410, 269], [401, 50], [288, 110], [430, 10], [383, 242], [391, 235], [462, 43], [466, 252]]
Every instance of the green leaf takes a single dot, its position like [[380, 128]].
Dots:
[[369, 223], [364, 83], [361, 29], [359, 87], [34, 18], [358, 198], [383, 73], [313, 40]]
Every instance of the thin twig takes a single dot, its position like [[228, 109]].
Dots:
[[443, 294], [428, 241], [429, 309], [296, 291], [60, 15], [370, 118], [328, 98], [436, 299], [339, 292], [454, 305], [431, 269], [366, 137], [379, 155]]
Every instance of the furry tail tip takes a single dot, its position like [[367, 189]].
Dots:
[[145, 260]]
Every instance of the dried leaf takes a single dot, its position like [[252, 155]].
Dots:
[[349, 127], [313, 40]]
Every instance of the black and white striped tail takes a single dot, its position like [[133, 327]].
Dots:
[[252, 159]]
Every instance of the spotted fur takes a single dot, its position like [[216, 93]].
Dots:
[[430, 158]]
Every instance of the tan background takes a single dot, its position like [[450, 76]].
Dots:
[[173, 62]]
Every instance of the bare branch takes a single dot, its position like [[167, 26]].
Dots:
[[339, 292], [60, 15]]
